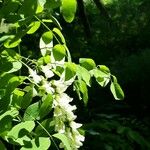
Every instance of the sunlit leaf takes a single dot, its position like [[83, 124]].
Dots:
[[87, 63], [6, 119], [82, 91], [10, 44], [40, 143], [47, 37], [58, 32], [59, 52], [70, 71], [101, 77], [68, 9], [27, 99], [32, 112], [19, 133], [46, 105], [84, 74], [34, 27], [116, 89], [63, 139]]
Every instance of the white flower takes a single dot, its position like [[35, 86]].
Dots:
[[46, 70], [77, 139], [33, 74], [47, 87], [75, 125], [60, 86], [64, 120]]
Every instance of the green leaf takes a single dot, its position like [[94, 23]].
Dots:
[[47, 37], [101, 77], [81, 88], [10, 44], [15, 40], [46, 105], [70, 71], [40, 143], [4, 80], [34, 26], [58, 32], [12, 84], [64, 140], [104, 69], [40, 6], [47, 59], [27, 99], [9, 61], [59, 52], [32, 112], [68, 9], [87, 63], [48, 124], [17, 98], [116, 89], [6, 119], [84, 74], [10, 55], [15, 67], [19, 133], [5, 37]]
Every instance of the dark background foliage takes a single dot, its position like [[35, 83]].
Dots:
[[120, 40]]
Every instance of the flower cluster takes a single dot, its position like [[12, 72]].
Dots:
[[64, 120], [64, 117]]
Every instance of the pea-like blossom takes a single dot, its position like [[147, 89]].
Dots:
[[65, 121], [36, 78], [47, 71]]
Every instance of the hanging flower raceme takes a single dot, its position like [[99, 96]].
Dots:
[[64, 120], [64, 116]]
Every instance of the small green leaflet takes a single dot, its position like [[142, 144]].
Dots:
[[68, 9], [40, 143], [58, 32], [70, 71], [34, 26], [47, 37], [82, 91], [87, 63], [19, 133], [32, 112], [84, 74], [104, 69], [116, 89], [101, 77], [10, 44], [48, 124], [46, 105], [59, 52], [27, 99], [64, 140], [17, 97], [6, 119]]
